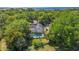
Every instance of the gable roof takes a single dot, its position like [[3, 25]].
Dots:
[[36, 27]]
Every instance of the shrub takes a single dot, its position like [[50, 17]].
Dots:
[[37, 43]]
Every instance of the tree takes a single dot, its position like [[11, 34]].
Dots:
[[63, 31], [16, 31]]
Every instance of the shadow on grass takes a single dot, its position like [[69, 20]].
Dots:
[[75, 47]]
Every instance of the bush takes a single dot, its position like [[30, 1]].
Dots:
[[37, 43]]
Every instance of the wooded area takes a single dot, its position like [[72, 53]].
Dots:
[[63, 30]]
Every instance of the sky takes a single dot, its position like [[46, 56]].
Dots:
[[37, 8], [44, 8]]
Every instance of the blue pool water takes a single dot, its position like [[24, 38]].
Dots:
[[37, 35]]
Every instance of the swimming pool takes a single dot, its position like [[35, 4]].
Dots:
[[37, 35]]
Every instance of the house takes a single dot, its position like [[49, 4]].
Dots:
[[37, 30]]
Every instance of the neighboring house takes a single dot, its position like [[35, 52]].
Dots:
[[37, 30]]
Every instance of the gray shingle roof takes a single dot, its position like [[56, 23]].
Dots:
[[36, 28]]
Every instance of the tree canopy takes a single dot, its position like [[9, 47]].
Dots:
[[63, 34]]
